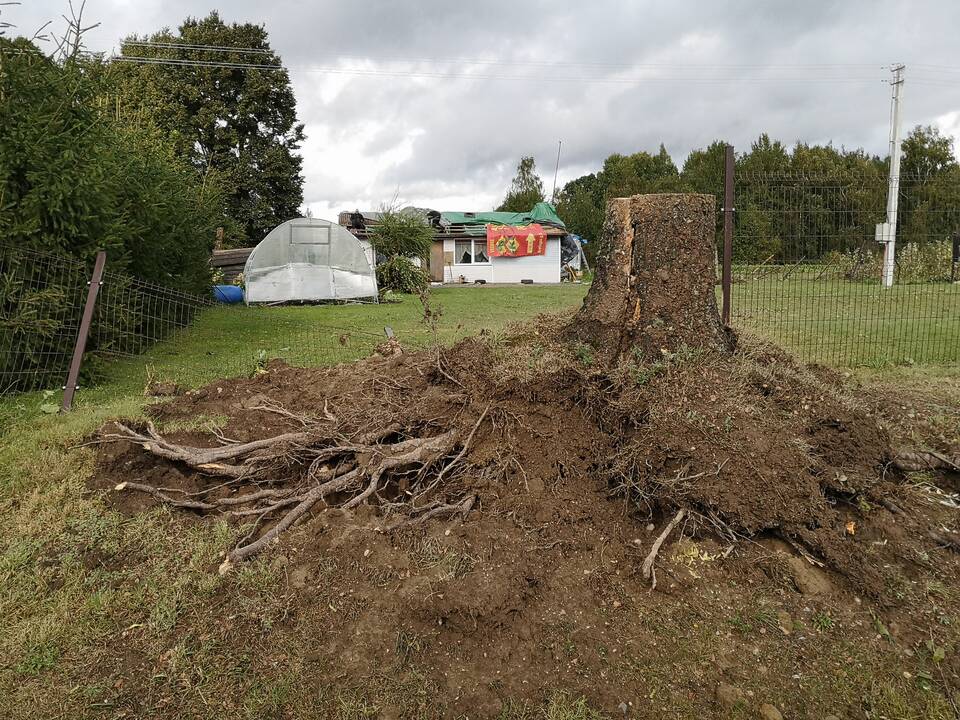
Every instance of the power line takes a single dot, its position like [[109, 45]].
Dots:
[[508, 63], [380, 72], [187, 46]]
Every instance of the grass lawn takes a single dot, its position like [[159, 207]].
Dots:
[[852, 324]]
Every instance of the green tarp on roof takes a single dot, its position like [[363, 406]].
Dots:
[[542, 213]]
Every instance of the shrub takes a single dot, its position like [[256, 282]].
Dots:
[[400, 274], [924, 262], [76, 176], [916, 262]]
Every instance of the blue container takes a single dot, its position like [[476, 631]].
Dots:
[[229, 294]]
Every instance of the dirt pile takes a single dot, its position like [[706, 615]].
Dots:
[[478, 516], [747, 444], [778, 471]]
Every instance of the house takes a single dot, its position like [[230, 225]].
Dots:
[[465, 247]]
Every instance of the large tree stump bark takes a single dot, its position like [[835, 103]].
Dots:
[[655, 286]]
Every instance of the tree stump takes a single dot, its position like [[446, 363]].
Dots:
[[655, 287]]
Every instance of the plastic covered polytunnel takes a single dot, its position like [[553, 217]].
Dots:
[[307, 260]]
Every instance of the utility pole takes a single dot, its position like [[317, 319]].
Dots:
[[886, 232], [553, 195]]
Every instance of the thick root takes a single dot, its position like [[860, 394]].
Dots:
[[361, 470]]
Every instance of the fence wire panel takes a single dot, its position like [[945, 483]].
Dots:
[[133, 315], [807, 268], [41, 301], [142, 331]]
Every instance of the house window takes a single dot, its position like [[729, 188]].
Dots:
[[470, 252]]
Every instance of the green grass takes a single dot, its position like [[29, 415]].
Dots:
[[845, 323]]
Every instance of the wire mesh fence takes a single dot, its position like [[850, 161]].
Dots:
[[141, 330], [41, 300], [807, 268], [806, 275], [240, 340]]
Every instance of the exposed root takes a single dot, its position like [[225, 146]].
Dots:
[[361, 470], [209, 460], [461, 508], [648, 572], [944, 540]]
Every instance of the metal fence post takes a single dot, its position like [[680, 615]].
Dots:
[[93, 289], [728, 180]]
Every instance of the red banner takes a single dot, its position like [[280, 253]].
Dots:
[[508, 241]]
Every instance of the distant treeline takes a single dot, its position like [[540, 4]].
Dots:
[[826, 198]]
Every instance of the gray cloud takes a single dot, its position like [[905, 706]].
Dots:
[[809, 72]]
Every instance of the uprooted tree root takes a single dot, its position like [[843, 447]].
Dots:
[[405, 475], [735, 446], [644, 392]]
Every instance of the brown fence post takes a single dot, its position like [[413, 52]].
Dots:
[[93, 289], [728, 165]]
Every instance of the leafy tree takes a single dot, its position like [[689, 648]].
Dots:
[[580, 205], [240, 122], [703, 169], [703, 173], [930, 178], [926, 153], [582, 201], [75, 178], [765, 156], [526, 189]]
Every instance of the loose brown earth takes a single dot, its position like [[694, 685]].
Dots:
[[802, 574]]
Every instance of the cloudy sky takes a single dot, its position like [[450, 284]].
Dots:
[[433, 102]]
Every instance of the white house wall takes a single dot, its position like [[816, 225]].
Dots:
[[539, 268]]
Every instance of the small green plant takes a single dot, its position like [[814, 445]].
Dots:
[[767, 616], [741, 624], [40, 657], [48, 406], [260, 359], [937, 653], [822, 622], [643, 374], [584, 353]]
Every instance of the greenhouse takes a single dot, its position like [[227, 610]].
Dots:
[[309, 260]]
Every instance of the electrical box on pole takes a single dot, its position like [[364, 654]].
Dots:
[[886, 232]]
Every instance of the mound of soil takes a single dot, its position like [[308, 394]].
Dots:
[[494, 518], [576, 470]]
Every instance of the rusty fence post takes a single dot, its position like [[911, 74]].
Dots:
[[728, 180], [93, 289]]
